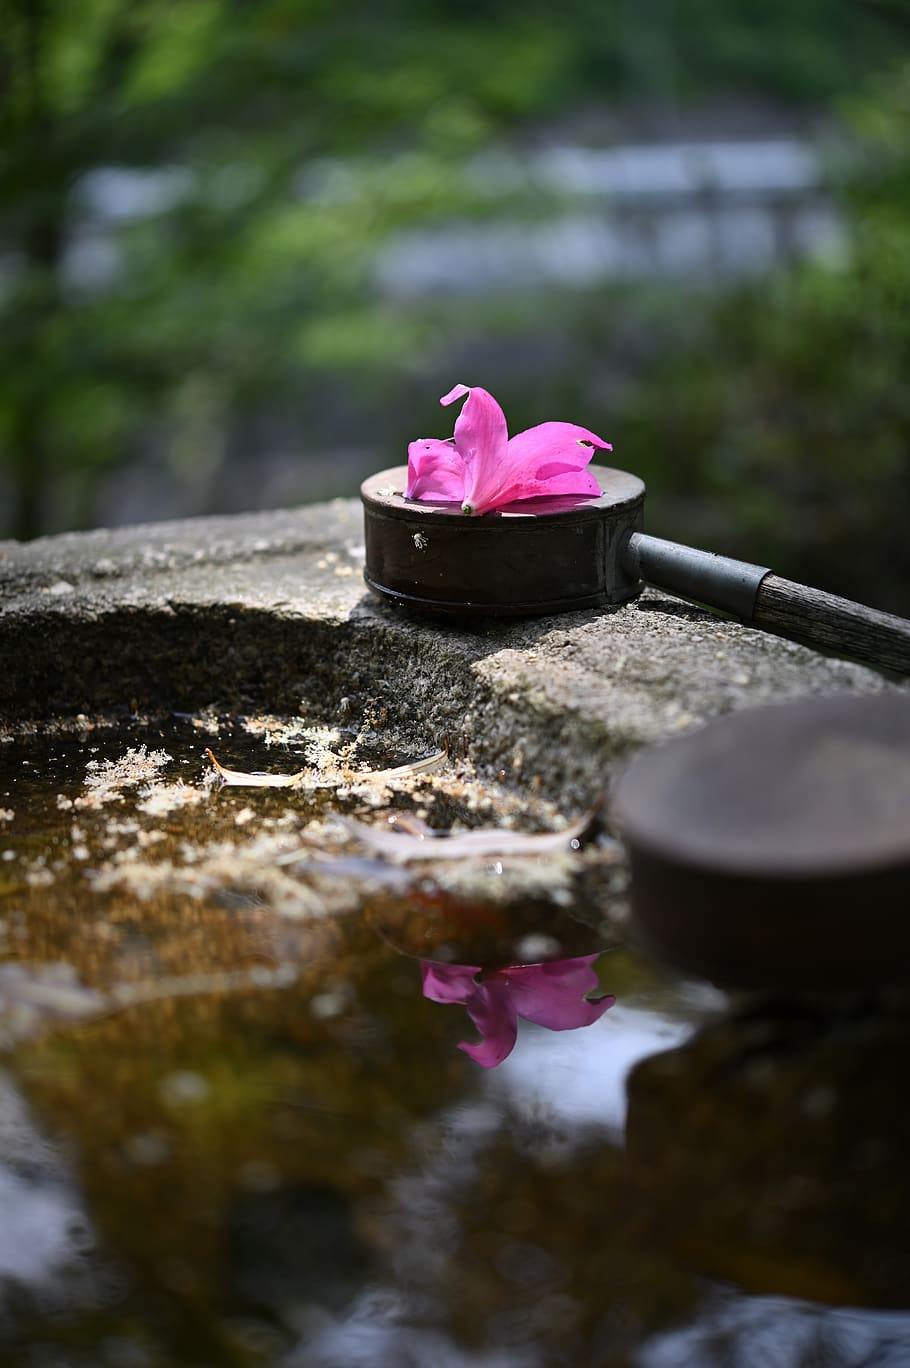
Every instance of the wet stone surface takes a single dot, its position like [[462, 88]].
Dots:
[[233, 1131]]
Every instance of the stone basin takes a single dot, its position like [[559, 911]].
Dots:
[[232, 1131]]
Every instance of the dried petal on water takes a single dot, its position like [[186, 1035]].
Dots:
[[429, 764], [241, 779], [398, 843]]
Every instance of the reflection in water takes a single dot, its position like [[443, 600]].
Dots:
[[47, 1244], [553, 994], [590, 1088], [779, 1332], [767, 1332], [280, 1157], [784, 1170], [379, 1333]]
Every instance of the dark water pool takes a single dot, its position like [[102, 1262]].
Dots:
[[233, 1131]]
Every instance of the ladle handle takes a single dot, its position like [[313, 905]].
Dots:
[[756, 595]]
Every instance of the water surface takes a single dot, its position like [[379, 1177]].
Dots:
[[232, 1131]]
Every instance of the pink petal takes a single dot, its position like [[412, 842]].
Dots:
[[493, 1013], [436, 472], [448, 982], [481, 469], [456, 392], [559, 444], [562, 483], [553, 995], [488, 1004], [482, 440], [549, 459]]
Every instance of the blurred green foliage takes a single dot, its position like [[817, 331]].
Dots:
[[233, 280], [782, 409], [275, 144]]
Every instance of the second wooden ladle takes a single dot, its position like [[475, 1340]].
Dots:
[[555, 555]]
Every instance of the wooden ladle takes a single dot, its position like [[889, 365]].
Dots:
[[554, 555], [771, 848]]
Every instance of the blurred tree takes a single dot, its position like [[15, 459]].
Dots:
[[191, 193], [788, 404], [179, 231], [771, 421]]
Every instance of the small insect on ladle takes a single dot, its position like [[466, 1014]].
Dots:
[[564, 553]]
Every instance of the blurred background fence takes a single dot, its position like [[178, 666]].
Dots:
[[245, 244]]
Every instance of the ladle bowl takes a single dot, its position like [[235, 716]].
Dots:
[[554, 555], [539, 556], [771, 848]]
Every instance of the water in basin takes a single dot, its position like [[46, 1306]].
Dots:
[[233, 1130]]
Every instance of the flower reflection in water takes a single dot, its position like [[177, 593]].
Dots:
[[552, 994]]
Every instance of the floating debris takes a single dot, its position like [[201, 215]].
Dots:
[[429, 764], [106, 780], [160, 799], [34, 995], [257, 978], [255, 779], [404, 838]]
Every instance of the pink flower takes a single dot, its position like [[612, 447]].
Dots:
[[552, 995], [482, 468]]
